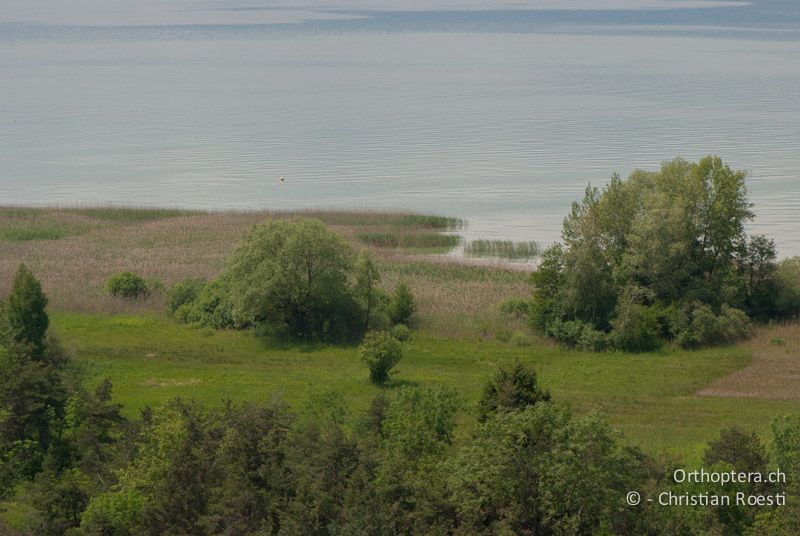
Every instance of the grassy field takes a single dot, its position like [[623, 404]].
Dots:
[[670, 403], [652, 398]]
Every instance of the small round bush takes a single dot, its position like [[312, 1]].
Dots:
[[127, 285], [401, 332], [515, 307], [381, 352]]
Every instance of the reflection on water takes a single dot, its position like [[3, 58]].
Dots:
[[498, 117]]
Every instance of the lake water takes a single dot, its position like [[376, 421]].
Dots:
[[482, 110]]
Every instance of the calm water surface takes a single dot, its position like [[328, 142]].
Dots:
[[495, 115]]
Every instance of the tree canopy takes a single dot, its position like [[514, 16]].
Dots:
[[643, 253], [25, 317]]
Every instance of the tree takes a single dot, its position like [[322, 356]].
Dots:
[[784, 520], [403, 305], [677, 234], [372, 299], [292, 277], [381, 352], [511, 388], [166, 487], [539, 471], [32, 391], [743, 450], [757, 267], [25, 318]]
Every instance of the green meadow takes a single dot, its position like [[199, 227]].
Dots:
[[651, 398]]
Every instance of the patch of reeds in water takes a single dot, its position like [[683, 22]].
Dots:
[[504, 249]]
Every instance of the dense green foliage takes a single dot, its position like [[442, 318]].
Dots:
[[380, 351], [511, 388], [403, 306], [372, 299], [400, 332], [661, 256], [294, 280], [24, 318], [32, 392], [182, 294], [127, 285]]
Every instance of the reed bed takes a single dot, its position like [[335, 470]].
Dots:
[[438, 243], [504, 249], [172, 245]]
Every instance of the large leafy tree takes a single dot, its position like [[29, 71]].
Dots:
[[672, 237], [294, 276]]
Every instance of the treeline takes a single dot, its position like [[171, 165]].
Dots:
[[528, 467], [662, 256]]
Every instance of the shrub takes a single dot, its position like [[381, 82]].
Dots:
[[636, 328], [511, 388], [211, 308], [592, 340], [381, 352], [734, 324], [567, 332], [403, 305], [516, 307], [400, 332], [542, 313], [699, 326], [577, 334], [127, 285], [183, 293]]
